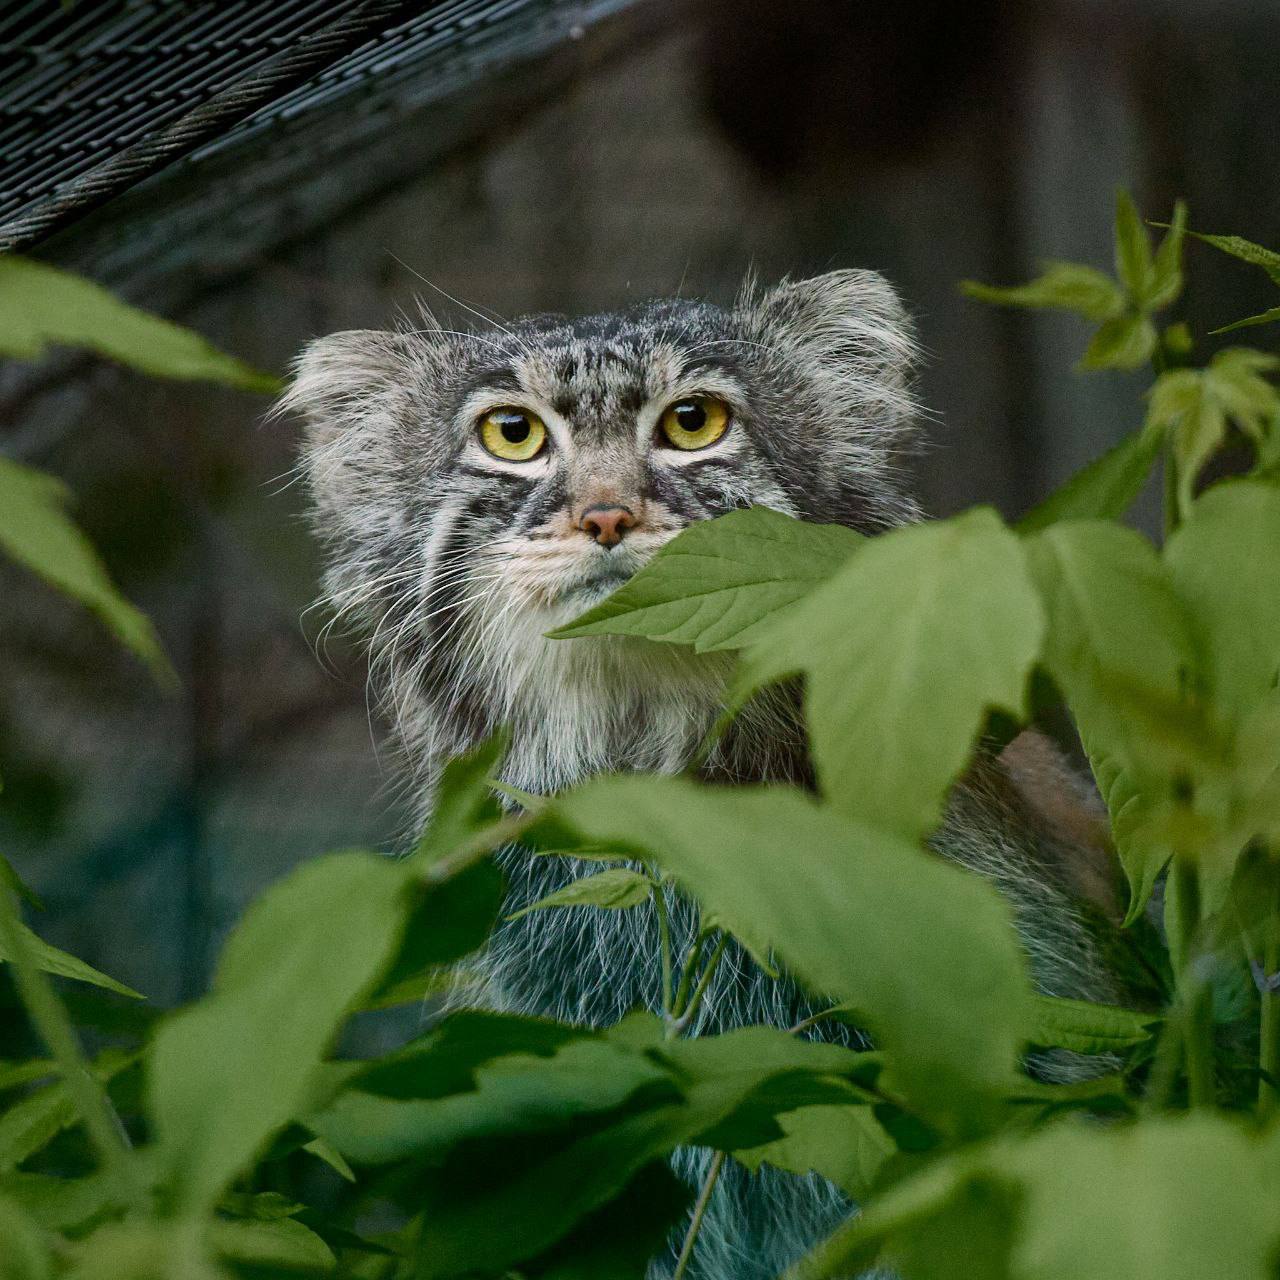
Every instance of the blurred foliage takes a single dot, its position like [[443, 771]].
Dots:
[[225, 1139]]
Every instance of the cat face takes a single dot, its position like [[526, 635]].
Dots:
[[476, 490]]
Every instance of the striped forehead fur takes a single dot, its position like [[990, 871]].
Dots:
[[455, 567]]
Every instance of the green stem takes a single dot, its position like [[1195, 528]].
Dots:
[[1198, 1025], [699, 1212], [664, 937], [1269, 1018], [685, 1018], [49, 1017], [688, 969], [483, 843]]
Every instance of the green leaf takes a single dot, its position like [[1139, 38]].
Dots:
[[450, 921], [1166, 275], [445, 1060], [905, 650], [60, 1204], [1197, 404], [618, 1241], [509, 1093], [924, 950], [483, 1214], [282, 1243], [15, 1074], [1224, 561], [1113, 616], [1063, 285], [616, 889], [1169, 1198], [1084, 1027], [1134, 264], [464, 803], [36, 531], [1173, 1198], [717, 584], [1246, 251], [846, 1145], [63, 965], [228, 1072], [1105, 489], [325, 1151], [24, 1254], [32, 1122], [42, 306], [1126, 342], [1269, 316], [10, 877]]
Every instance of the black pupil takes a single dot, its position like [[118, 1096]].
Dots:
[[690, 416], [514, 427]]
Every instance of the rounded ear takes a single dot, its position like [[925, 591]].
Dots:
[[337, 380], [844, 317]]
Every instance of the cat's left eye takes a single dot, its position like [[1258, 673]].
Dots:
[[513, 434], [695, 422]]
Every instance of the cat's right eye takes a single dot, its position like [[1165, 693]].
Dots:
[[513, 434]]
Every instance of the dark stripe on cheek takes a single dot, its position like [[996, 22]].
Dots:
[[541, 505], [674, 493]]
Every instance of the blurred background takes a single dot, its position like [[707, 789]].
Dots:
[[510, 156]]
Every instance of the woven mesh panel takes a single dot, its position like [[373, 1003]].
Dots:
[[103, 98]]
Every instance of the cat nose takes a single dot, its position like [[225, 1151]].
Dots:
[[606, 524]]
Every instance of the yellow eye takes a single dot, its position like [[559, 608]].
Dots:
[[695, 422], [513, 433]]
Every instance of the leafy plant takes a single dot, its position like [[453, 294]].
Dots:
[[226, 1139]]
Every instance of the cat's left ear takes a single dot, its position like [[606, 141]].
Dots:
[[851, 322]]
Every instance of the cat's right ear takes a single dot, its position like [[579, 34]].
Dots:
[[343, 380]]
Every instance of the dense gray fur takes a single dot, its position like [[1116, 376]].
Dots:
[[456, 564]]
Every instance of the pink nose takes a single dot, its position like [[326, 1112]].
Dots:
[[606, 524]]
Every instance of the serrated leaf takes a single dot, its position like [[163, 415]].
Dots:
[[1067, 286], [719, 582], [301, 958], [1246, 251], [1103, 490], [1195, 406], [905, 650], [1269, 316], [1084, 1027], [846, 1145], [42, 306], [484, 1216], [617, 889], [857, 914], [37, 532], [1125, 342]]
